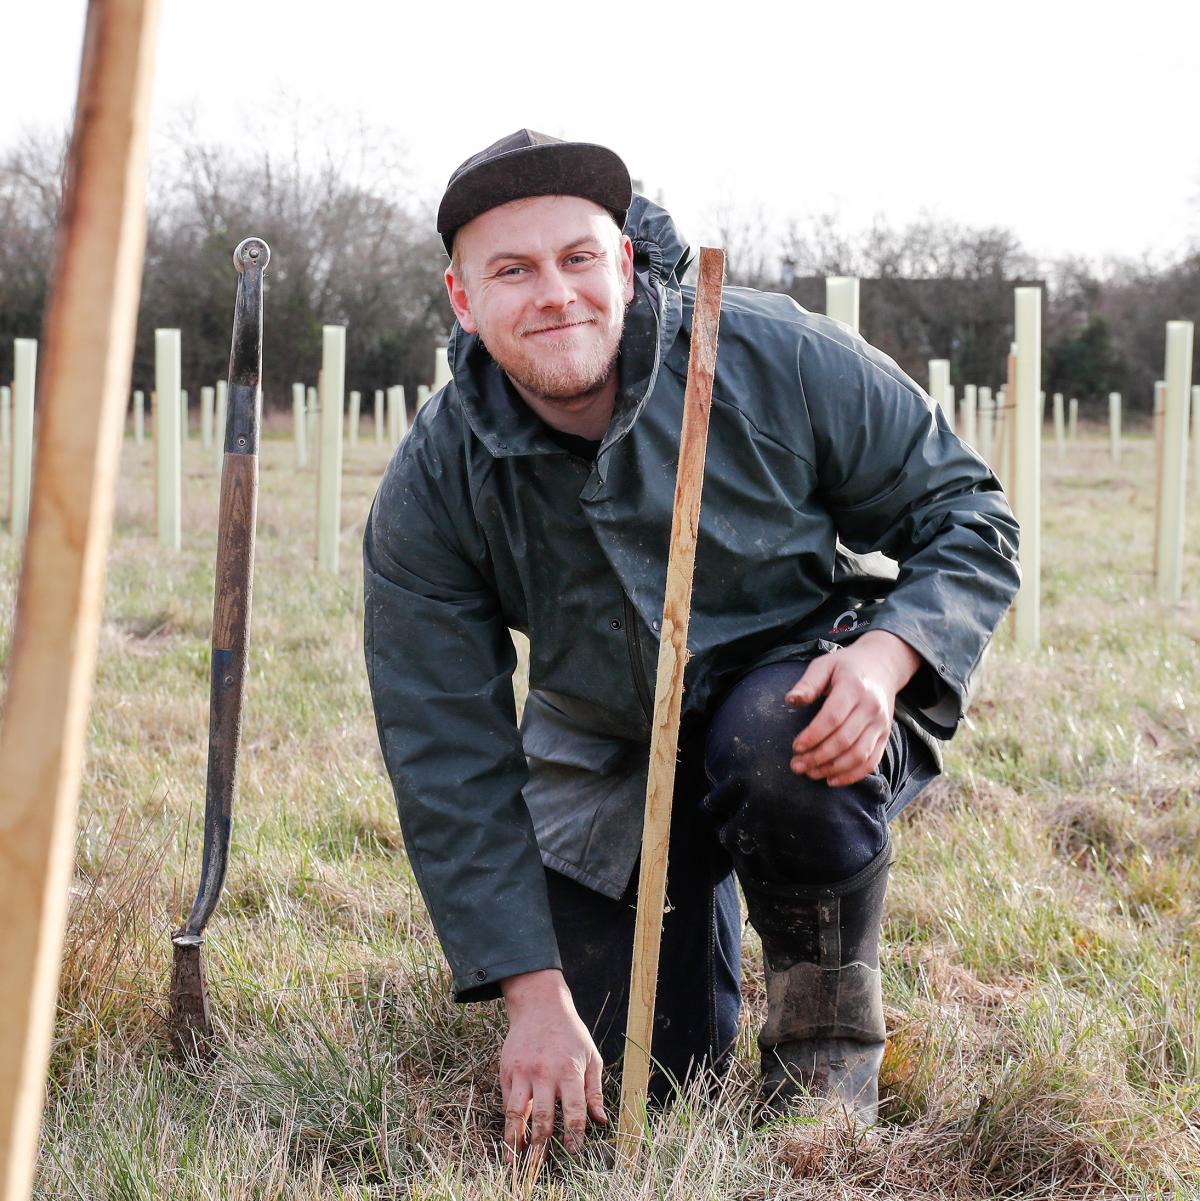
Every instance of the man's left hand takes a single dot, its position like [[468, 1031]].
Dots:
[[845, 741]]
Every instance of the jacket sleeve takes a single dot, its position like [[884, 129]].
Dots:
[[896, 479], [440, 663]]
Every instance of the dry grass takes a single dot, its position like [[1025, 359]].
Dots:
[[1045, 1037]]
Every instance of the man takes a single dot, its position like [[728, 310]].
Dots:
[[534, 493]]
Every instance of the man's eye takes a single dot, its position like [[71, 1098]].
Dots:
[[510, 270], [579, 258]]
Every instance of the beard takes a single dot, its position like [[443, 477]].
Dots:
[[560, 369]]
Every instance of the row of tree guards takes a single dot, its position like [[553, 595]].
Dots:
[[1005, 427]]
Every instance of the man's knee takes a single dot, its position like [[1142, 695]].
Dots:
[[778, 826]]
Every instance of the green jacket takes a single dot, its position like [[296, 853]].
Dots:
[[820, 449]]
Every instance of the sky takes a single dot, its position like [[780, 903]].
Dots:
[[1074, 125]]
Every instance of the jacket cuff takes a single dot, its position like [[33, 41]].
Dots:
[[482, 982]]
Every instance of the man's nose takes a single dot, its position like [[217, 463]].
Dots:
[[554, 290]]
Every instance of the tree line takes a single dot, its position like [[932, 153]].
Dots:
[[351, 243]]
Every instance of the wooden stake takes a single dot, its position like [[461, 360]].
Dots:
[[88, 348], [668, 699]]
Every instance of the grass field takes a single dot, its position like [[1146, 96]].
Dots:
[[1043, 1005]]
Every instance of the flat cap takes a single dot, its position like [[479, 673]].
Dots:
[[527, 164]]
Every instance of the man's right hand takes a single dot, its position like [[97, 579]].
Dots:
[[548, 1057]]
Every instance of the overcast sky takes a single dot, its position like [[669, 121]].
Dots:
[[1073, 124]]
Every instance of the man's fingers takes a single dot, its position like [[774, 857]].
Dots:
[[849, 735], [856, 763], [541, 1126], [813, 683], [516, 1114], [593, 1088], [574, 1113], [838, 706]]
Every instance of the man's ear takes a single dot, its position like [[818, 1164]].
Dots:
[[626, 259], [459, 301]]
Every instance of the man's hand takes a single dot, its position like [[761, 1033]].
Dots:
[[846, 739], [548, 1056]]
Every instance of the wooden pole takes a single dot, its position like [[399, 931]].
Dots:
[[378, 414], [166, 437], [207, 403], [1173, 475], [333, 419], [24, 383], [355, 407], [970, 415], [1114, 426], [668, 698], [299, 426], [841, 299], [139, 417], [1027, 492], [88, 349]]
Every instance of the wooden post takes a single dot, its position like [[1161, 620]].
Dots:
[[5, 417], [1027, 492], [378, 414], [1114, 426], [333, 417], [355, 406], [422, 396], [841, 300], [668, 697], [87, 337], [219, 431], [166, 437], [939, 388], [183, 415], [1173, 479], [299, 426], [970, 418], [987, 423], [397, 414], [139, 417], [1073, 419], [207, 402], [1060, 427], [441, 369], [24, 384]]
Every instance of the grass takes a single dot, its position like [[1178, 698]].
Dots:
[[1045, 1036]]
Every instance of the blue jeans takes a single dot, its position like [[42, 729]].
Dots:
[[739, 814]]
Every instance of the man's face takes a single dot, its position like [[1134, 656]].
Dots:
[[544, 282]]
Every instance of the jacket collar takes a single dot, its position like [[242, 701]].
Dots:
[[507, 427]]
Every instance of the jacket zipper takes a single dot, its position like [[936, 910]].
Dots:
[[633, 640]]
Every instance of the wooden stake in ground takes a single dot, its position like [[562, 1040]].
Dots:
[[87, 342], [668, 698]]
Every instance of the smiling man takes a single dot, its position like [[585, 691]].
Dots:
[[534, 493]]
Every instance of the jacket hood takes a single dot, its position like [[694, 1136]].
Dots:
[[506, 427]]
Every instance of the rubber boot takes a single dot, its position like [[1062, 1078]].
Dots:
[[824, 1034]]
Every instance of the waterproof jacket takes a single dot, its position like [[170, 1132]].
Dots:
[[819, 445]]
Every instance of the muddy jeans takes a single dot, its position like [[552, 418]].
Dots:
[[739, 814]]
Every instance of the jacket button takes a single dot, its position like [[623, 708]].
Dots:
[[481, 975], [615, 623]]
